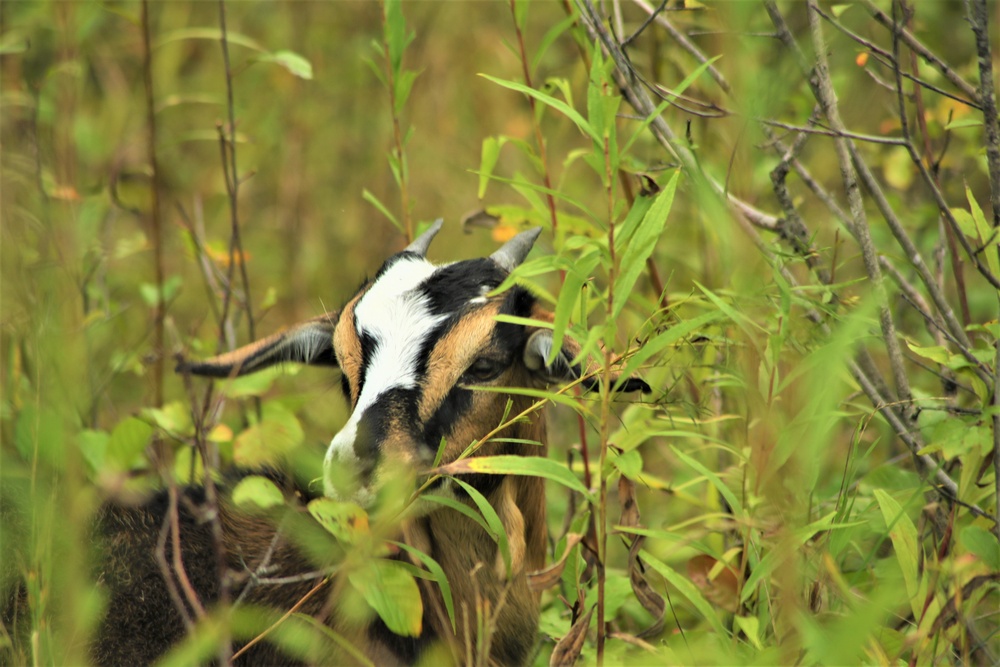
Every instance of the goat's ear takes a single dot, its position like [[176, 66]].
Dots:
[[310, 342], [562, 369]]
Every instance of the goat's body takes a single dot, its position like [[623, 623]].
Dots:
[[143, 622]]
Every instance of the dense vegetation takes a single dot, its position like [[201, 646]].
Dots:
[[782, 215]]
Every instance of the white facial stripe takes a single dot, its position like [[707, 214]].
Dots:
[[396, 315]]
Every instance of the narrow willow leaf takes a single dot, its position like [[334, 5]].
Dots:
[[625, 230], [394, 595], [987, 235], [438, 575], [550, 36], [688, 590], [373, 200], [395, 34], [903, 534], [727, 493], [462, 508], [291, 61], [532, 466], [488, 161], [492, 519], [569, 295], [549, 101], [403, 87], [213, 34], [567, 651], [643, 242]]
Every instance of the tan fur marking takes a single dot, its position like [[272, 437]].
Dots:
[[347, 347], [453, 353]]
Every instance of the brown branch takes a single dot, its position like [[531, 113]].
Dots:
[[160, 452], [918, 47]]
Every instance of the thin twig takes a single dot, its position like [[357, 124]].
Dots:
[[979, 22], [918, 47], [155, 222]]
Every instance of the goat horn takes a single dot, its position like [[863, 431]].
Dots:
[[422, 242], [512, 253]]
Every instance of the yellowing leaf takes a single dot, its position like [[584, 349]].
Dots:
[[347, 522]]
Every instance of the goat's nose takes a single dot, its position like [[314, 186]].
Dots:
[[350, 460]]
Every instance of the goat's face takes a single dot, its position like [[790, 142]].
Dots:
[[411, 344]]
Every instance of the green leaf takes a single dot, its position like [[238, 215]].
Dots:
[[727, 493], [463, 509], [983, 544], [346, 521], [533, 466], [492, 520], [394, 595], [751, 628], [569, 296], [643, 242], [404, 84], [627, 227], [373, 200], [488, 161], [904, 541], [688, 590], [629, 464], [257, 491], [267, 441], [550, 101], [439, 576], [291, 61], [987, 234], [128, 442], [149, 294], [94, 445]]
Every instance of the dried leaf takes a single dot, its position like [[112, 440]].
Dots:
[[549, 577], [722, 589], [567, 651], [648, 598]]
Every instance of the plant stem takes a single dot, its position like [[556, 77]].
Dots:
[[155, 222]]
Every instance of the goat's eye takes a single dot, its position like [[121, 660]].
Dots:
[[483, 369]]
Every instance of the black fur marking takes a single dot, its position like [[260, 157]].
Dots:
[[512, 337], [452, 408], [453, 286], [428, 344], [397, 404], [406, 649], [369, 346]]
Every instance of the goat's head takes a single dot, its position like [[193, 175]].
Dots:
[[410, 344]]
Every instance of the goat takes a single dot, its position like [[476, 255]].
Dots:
[[408, 345]]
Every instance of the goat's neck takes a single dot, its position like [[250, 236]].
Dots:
[[485, 592]]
